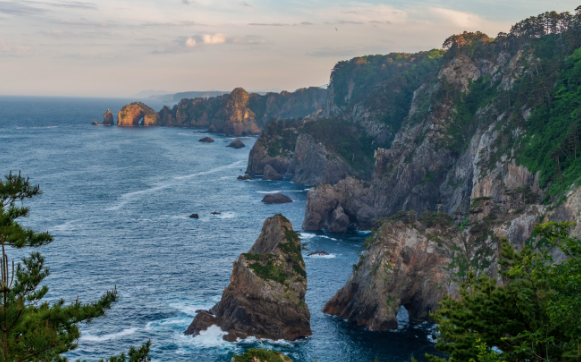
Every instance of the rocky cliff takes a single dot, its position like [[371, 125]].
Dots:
[[266, 295], [490, 143], [137, 114], [242, 113]]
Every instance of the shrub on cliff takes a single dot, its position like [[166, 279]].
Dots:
[[261, 355], [30, 329], [535, 316]]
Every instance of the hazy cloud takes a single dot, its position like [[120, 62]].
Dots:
[[67, 4], [18, 9], [167, 24], [458, 18], [268, 24], [333, 52], [8, 48], [244, 3], [84, 22], [306, 23]]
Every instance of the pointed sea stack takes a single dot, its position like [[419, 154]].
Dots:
[[108, 118], [266, 295]]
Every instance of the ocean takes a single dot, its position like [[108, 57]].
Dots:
[[117, 201]]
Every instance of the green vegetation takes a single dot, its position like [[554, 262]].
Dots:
[[533, 317], [280, 137], [265, 267], [262, 356], [347, 140], [30, 329], [384, 82]]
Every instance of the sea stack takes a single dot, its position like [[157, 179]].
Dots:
[[236, 144], [108, 118], [137, 114], [266, 295]]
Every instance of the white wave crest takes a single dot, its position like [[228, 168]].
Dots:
[[106, 337], [126, 198], [36, 127]]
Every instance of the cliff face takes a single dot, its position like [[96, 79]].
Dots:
[[137, 114], [266, 295], [491, 142], [241, 113]]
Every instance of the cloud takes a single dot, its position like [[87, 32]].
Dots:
[[214, 38], [347, 22], [7, 48], [18, 9], [457, 18], [244, 3], [306, 23], [84, 22], [268, 24], [67, 4], [167, 24], [191, 42]]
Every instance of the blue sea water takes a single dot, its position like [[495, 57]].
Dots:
[[117, 202]]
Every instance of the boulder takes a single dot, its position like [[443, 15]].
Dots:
[[276, 199], [194, 216], [266, 295], [236, 144], [108, 118], [206, 139], [271, 174], [318, 253], [202, 321], [245, 177], [95, 123]]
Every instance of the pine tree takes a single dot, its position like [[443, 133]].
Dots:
[[33, 330], [535, 316]]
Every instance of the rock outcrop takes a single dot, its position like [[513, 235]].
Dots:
[[276, 199], [95, 123], [206, 140], [266, 295], [108, 118], [136, 114], [236, 144], [235, 117], [261, 355], [404, 265], [271, 174]]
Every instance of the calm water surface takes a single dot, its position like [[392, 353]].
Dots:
[[117, 201]]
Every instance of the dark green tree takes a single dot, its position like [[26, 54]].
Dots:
[[534, 316], [33, 330]]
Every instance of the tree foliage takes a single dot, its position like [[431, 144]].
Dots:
[[30, 329], [534, 316]]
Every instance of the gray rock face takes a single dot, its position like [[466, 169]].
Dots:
[[312, 164], [402, 267], [259, 158], [276, 199], [271, 174], [236, 144], [266, 305]]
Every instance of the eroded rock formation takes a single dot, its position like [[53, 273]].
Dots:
[[276, 199], [271, 174], [136, 114], [405, 264], [108, 118], [266, 295]]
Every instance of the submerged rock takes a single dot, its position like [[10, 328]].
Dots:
[[95, 123], [266, 295], [215, 213], [194, 216], [318, 253], [271, 174], [245, 177], [276, 199], [108, 118], [206, 139], [236, 144]]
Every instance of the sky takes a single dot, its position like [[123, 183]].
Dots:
[[117, 48]]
